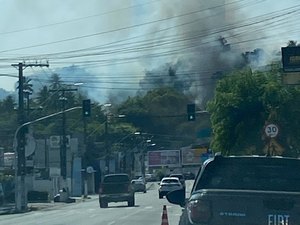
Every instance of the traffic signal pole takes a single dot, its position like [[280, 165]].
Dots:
[[86, 112]]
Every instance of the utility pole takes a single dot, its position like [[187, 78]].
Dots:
[[63, 142], [20, 168], [106, 146]]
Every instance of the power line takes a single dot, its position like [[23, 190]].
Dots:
[[76, 19], [119, 29]]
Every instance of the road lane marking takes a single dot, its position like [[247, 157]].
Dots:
[[93, 209], [130, 214], [93, 215]]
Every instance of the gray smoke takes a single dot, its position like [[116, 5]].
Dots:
[[205, 51], [212, 42]]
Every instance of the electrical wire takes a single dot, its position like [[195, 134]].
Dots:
[[119, 29]]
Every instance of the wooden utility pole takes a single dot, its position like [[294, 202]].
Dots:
[[20, 168]]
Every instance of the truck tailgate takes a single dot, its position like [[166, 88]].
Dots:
[[243, 207], [115, 188]]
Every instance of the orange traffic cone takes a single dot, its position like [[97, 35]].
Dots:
[[164, 217]]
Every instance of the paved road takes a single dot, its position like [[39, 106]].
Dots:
[[147, 211]]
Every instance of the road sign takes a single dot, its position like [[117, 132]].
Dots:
[[271, 130]]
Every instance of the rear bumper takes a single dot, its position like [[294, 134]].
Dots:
[[116, 197]]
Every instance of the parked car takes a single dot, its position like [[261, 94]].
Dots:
[[139, 185], [1, 195], [167, 185], [180, 177]]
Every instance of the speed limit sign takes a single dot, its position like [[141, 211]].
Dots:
[[271, 130]]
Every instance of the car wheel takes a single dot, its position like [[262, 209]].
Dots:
[[131, 202], [161, 196], [145, 191], [103, 204]]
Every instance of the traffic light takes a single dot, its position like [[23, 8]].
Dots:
[[86, 108], [191, 112]]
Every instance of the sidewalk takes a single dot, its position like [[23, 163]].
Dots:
[[10, 208], [46, 205]]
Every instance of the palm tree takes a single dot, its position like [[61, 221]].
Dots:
[[55, 86], [43, 96], [27, 90]]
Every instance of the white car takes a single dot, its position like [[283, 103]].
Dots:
[[168, 184]]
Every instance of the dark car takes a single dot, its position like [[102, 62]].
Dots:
[[116, 188]]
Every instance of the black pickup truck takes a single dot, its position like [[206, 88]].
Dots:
[[116, 188], [243, 190]]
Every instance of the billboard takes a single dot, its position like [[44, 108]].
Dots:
[[291, 59], [195, 156], [164, 158]]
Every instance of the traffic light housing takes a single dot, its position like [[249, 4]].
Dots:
[[86, 108], [191, 112]]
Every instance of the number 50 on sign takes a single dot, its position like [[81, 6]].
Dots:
[[271, 130]]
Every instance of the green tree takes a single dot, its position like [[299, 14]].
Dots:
[[55, 86], [244, 102], [161, 112], [43, 96], [8, 122], [7, 105]]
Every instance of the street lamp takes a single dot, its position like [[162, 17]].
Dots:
[[145, 143], [20, 189]]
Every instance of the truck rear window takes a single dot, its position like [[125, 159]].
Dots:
[[247, 176], [116, 178]]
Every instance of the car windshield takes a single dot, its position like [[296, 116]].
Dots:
[[168, 181], [100, 100], [116, 178], [177, 175]]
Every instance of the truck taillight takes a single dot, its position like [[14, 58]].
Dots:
[[199, 211]]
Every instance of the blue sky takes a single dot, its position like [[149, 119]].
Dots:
[[123, 38]]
